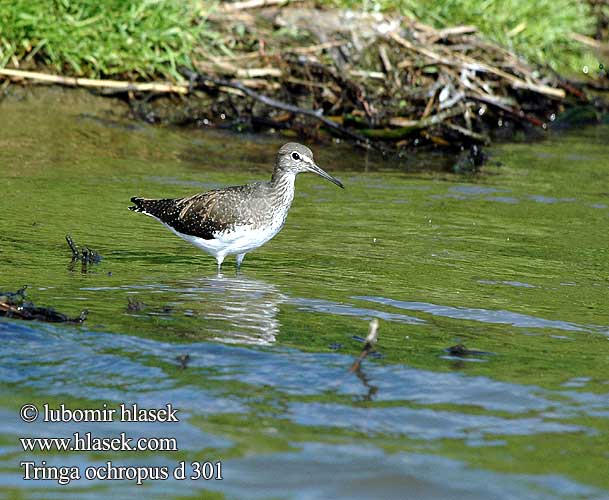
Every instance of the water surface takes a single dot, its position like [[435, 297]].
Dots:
[[512, 263]]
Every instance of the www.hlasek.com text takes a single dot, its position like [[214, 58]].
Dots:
[[88, 442]]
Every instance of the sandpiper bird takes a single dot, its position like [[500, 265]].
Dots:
[[236, 219]]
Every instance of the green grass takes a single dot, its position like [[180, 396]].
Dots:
[[537, 30], [139, 38], [147, 39]]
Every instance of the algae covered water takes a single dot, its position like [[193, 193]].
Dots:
[[512, 265]]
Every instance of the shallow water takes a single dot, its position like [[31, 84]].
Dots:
[[512, 263]]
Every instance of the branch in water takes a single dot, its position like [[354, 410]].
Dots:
[[370, 342]]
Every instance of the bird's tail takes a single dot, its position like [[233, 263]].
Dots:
[[156, 208], [165, 209], [139, 204]]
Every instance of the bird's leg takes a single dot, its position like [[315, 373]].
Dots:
[[240, 260]]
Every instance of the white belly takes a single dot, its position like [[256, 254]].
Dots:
[[242, 239]]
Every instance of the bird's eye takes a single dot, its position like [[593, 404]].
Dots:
[[295, 156]]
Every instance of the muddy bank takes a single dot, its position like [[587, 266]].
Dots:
[[122, 112], [385, 82]]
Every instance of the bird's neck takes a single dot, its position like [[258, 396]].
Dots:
[[283, 180], [282, 191]]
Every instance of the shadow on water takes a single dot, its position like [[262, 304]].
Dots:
[[512, 263]]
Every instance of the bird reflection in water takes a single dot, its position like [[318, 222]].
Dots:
[[243, 310], [371, 389], [239, 309]]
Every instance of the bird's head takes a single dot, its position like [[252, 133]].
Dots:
[[296, 158]]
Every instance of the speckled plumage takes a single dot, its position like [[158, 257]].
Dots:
[[235, 219]]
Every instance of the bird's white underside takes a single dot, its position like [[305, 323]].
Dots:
[[240, 240]]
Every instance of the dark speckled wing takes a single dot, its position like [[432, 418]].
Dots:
[[202, 215]]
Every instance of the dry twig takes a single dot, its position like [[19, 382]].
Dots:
[[254, 4], [205, 80], [91, 83]]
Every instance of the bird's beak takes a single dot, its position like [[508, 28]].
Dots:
[[315, 169]]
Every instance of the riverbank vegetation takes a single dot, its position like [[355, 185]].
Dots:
[[139, 39], [540, 31], [388, 74], [151, 38]]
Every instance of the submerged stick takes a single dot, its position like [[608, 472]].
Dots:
[[85, 254], [30, 312], [14, 305], [371, 340], [93, 83], [72, 246], [183, 359]]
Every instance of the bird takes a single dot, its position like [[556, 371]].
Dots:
[[236, 219]]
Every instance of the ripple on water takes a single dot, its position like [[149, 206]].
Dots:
[[51, 359], [341, 472], [56, 355], [424, 424], [286, 370], [473, 189], [475, 314], [364, 472], [518, 284], [503, 199], [326, 306]]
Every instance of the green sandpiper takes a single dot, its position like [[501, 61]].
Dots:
[[237, 219]]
